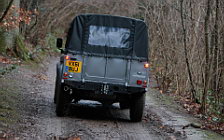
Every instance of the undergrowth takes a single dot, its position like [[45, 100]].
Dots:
[[20, 48]]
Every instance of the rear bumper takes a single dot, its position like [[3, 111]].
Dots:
[[101, 88]]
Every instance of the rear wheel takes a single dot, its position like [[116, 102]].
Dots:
[[137, 107], [57, 88], [62, 101], [124, 105], [57, 82]]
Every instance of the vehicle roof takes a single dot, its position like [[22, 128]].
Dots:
[[115, 16]]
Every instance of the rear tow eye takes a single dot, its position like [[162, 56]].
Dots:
[[66, 88]]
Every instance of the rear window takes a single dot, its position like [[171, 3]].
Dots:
[[109, 36]]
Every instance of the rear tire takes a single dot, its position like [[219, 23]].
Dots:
[[137, 107], [57, 82], [57, 85], [61, 101], [124, 105]]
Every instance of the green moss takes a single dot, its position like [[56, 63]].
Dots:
[[51, 42], [8, 117], [209, 135], [2, 42], [7, 69], [20, 48], [164, 99]]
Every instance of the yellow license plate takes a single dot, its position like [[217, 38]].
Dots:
[[74, 66]]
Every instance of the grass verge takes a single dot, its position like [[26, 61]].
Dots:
[[9, 113]]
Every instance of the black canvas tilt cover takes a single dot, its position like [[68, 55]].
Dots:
[[108, 36]]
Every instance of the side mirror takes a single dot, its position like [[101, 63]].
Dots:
[[59, 43]]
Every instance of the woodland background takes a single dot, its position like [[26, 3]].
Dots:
[[186, 41]]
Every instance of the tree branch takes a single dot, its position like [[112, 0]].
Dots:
[[6, 11]]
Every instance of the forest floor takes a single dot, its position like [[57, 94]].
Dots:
[[27, 112]]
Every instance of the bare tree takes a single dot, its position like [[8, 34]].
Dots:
[[193, 96], [207, 59], [6, 11]]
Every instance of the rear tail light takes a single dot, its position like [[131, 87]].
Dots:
[[65, 74], [145, 83], [67, 57], [139, 82], [146, 65]]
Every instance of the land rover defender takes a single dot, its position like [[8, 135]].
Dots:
[[105, 59]]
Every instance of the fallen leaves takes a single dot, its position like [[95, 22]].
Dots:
[[40, 77], [217, 127], [209, 122], [172, 138], [192, 108], [6, 136], [74, 138], [5, 60]]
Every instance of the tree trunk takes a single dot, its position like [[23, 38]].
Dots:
[[216, 71], [193, 98], [207, 67]]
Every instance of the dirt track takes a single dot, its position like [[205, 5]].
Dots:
[[89, 120]]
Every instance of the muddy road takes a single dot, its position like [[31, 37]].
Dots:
[[88, 119]]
